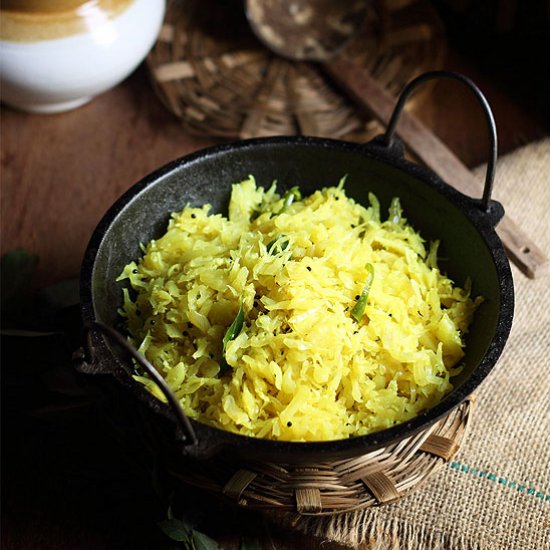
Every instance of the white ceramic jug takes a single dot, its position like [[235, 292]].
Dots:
[[55, 56]]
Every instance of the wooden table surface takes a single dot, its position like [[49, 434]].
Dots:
[[59, 175]]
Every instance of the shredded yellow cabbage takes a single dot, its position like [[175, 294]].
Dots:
[[348, 326]]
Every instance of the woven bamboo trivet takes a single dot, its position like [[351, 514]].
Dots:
[[324, 488], [212, 73]]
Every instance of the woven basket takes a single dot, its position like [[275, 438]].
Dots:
[[325, 488], [213, 74]]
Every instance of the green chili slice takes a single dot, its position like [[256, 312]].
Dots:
[[431, 260], [277, 246], [232, 332], [396, 211], [375, 207], [292, 194], [359, 308]]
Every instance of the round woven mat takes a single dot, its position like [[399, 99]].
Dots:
[[324, 488], [210, 71]]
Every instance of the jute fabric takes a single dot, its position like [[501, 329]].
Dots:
[[495, 494]]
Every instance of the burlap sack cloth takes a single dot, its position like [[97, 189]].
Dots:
[[496, 492]]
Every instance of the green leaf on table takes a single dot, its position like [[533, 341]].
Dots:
[[182, 531], [55, 298], [204, 542], [17, 269], [176, 529], [247, 544]]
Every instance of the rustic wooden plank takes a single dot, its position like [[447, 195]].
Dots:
[[60, 173]]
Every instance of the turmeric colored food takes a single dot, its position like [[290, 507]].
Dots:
[[297, 319]]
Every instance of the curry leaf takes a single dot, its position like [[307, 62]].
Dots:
[[232, 332], [234, 328]]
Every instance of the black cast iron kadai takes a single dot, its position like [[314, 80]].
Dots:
[[464, 225]]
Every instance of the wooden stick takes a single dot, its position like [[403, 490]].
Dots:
[[368, 93]]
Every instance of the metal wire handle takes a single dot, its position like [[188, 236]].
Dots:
[[189, 436], [411, 87]]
